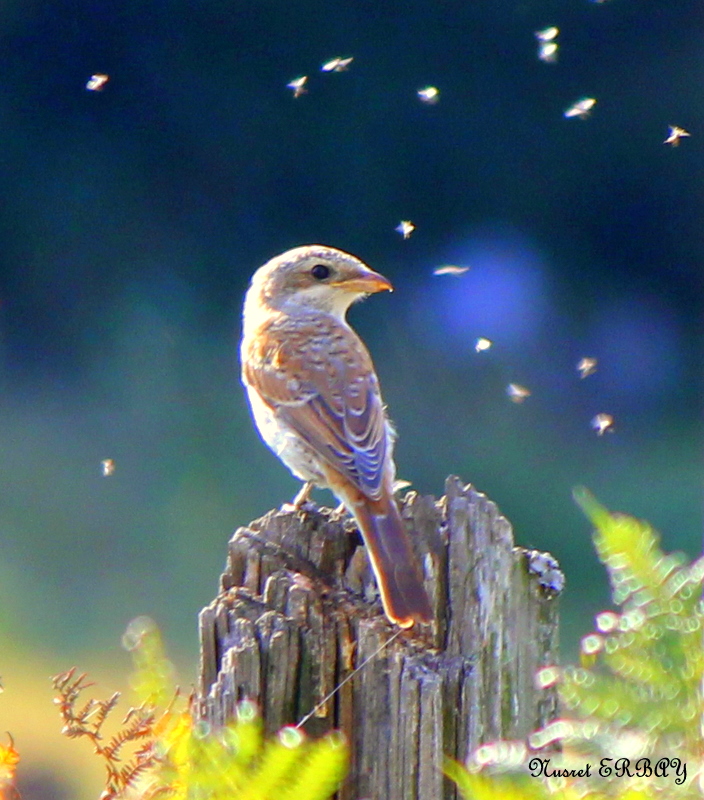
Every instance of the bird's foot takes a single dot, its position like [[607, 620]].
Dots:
[[339, 513], [302, 501]]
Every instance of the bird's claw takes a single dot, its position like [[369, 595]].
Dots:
[[339, 513], [303, 508], [301, 502]]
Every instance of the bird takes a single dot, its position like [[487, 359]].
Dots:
[[316, 402]]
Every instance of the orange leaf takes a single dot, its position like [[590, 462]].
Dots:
[[8, 762]]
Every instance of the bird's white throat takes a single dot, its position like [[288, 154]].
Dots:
[[322, 299]]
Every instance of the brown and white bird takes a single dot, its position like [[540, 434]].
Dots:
[[316, 402]]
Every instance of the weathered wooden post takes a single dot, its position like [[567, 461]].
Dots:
[[297, 612]]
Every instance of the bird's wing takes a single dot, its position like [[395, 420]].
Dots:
[[319, 379]]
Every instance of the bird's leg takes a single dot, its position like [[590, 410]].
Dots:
[[303, 495], [301, 499], [338, 513]]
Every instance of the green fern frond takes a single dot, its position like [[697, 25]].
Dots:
[[638, 691]]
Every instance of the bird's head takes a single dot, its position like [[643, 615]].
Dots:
[[313, 277]]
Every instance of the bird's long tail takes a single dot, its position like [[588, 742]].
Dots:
[[393, 560]]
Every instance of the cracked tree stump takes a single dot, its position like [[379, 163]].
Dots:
[[298, 611]]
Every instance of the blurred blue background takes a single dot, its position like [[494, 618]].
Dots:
[[131, 220]]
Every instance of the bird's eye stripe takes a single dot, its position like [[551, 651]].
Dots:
[[320, 272]]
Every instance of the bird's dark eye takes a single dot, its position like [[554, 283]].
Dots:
[[320, 272]]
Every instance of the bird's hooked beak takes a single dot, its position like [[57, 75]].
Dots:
[[365, 282]]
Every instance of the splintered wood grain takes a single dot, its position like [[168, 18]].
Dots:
[[298, 611]]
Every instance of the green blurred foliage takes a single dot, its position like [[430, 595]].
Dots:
[[238, 762], [635, 701], [643, 667], [196, 762], [161, 750]]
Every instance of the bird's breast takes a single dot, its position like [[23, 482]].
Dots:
[[288, 445]]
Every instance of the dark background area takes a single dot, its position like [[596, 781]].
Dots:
[[131, 220]]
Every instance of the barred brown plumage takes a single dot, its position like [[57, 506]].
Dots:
[[316, 403]]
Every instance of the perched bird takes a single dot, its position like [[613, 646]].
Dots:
[[316, 402]]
